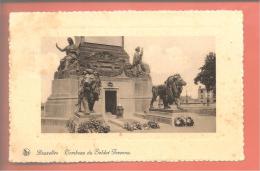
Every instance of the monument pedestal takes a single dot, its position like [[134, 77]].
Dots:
[[80, 118], [166, 116], [175, 110], [63, 99], [87, 116]]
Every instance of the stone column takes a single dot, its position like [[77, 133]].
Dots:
[[79, 39]]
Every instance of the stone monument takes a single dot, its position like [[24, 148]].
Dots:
[[116, 81]]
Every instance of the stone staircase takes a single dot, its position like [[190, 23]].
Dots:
[[121, 122]]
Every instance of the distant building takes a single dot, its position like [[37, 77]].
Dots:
[[202, 95]]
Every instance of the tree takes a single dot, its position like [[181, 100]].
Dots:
[[207, 75]]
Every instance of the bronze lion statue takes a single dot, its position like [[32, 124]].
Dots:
[[169, 92]]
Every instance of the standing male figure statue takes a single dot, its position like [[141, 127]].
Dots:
[[72, 54], [137, 60], [96, 86], [81, 91]]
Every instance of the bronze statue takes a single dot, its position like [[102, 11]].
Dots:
[[137, 59], [81, 91], [96, 86], [71, 57], [169, 92], [89, 91], [138, 68]]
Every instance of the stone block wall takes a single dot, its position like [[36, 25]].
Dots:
[[61, 102], [134, 94]]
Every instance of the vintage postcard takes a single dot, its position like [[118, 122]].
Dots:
[[126, 86]]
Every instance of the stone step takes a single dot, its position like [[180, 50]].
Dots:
[[166, 118], [140, 115], [88, 116], [53, 124], [53, 120], [121, 122], [116, 122], [174, 110], [141, 120]]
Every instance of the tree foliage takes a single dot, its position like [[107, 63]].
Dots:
[[207, 74]]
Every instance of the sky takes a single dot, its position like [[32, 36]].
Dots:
[[165, 56]]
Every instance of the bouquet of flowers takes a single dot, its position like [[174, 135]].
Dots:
[[71, 125], [179, 121], [189, 121], [134, 125], [153, 124], [93, 126], [183, 121]]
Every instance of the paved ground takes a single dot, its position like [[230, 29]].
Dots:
[[204, 121]]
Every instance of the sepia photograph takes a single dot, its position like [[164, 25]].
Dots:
[[112, 84]]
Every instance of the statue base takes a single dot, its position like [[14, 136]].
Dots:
[[81, 117], [175, 110], [63, 99], [166, 116]]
